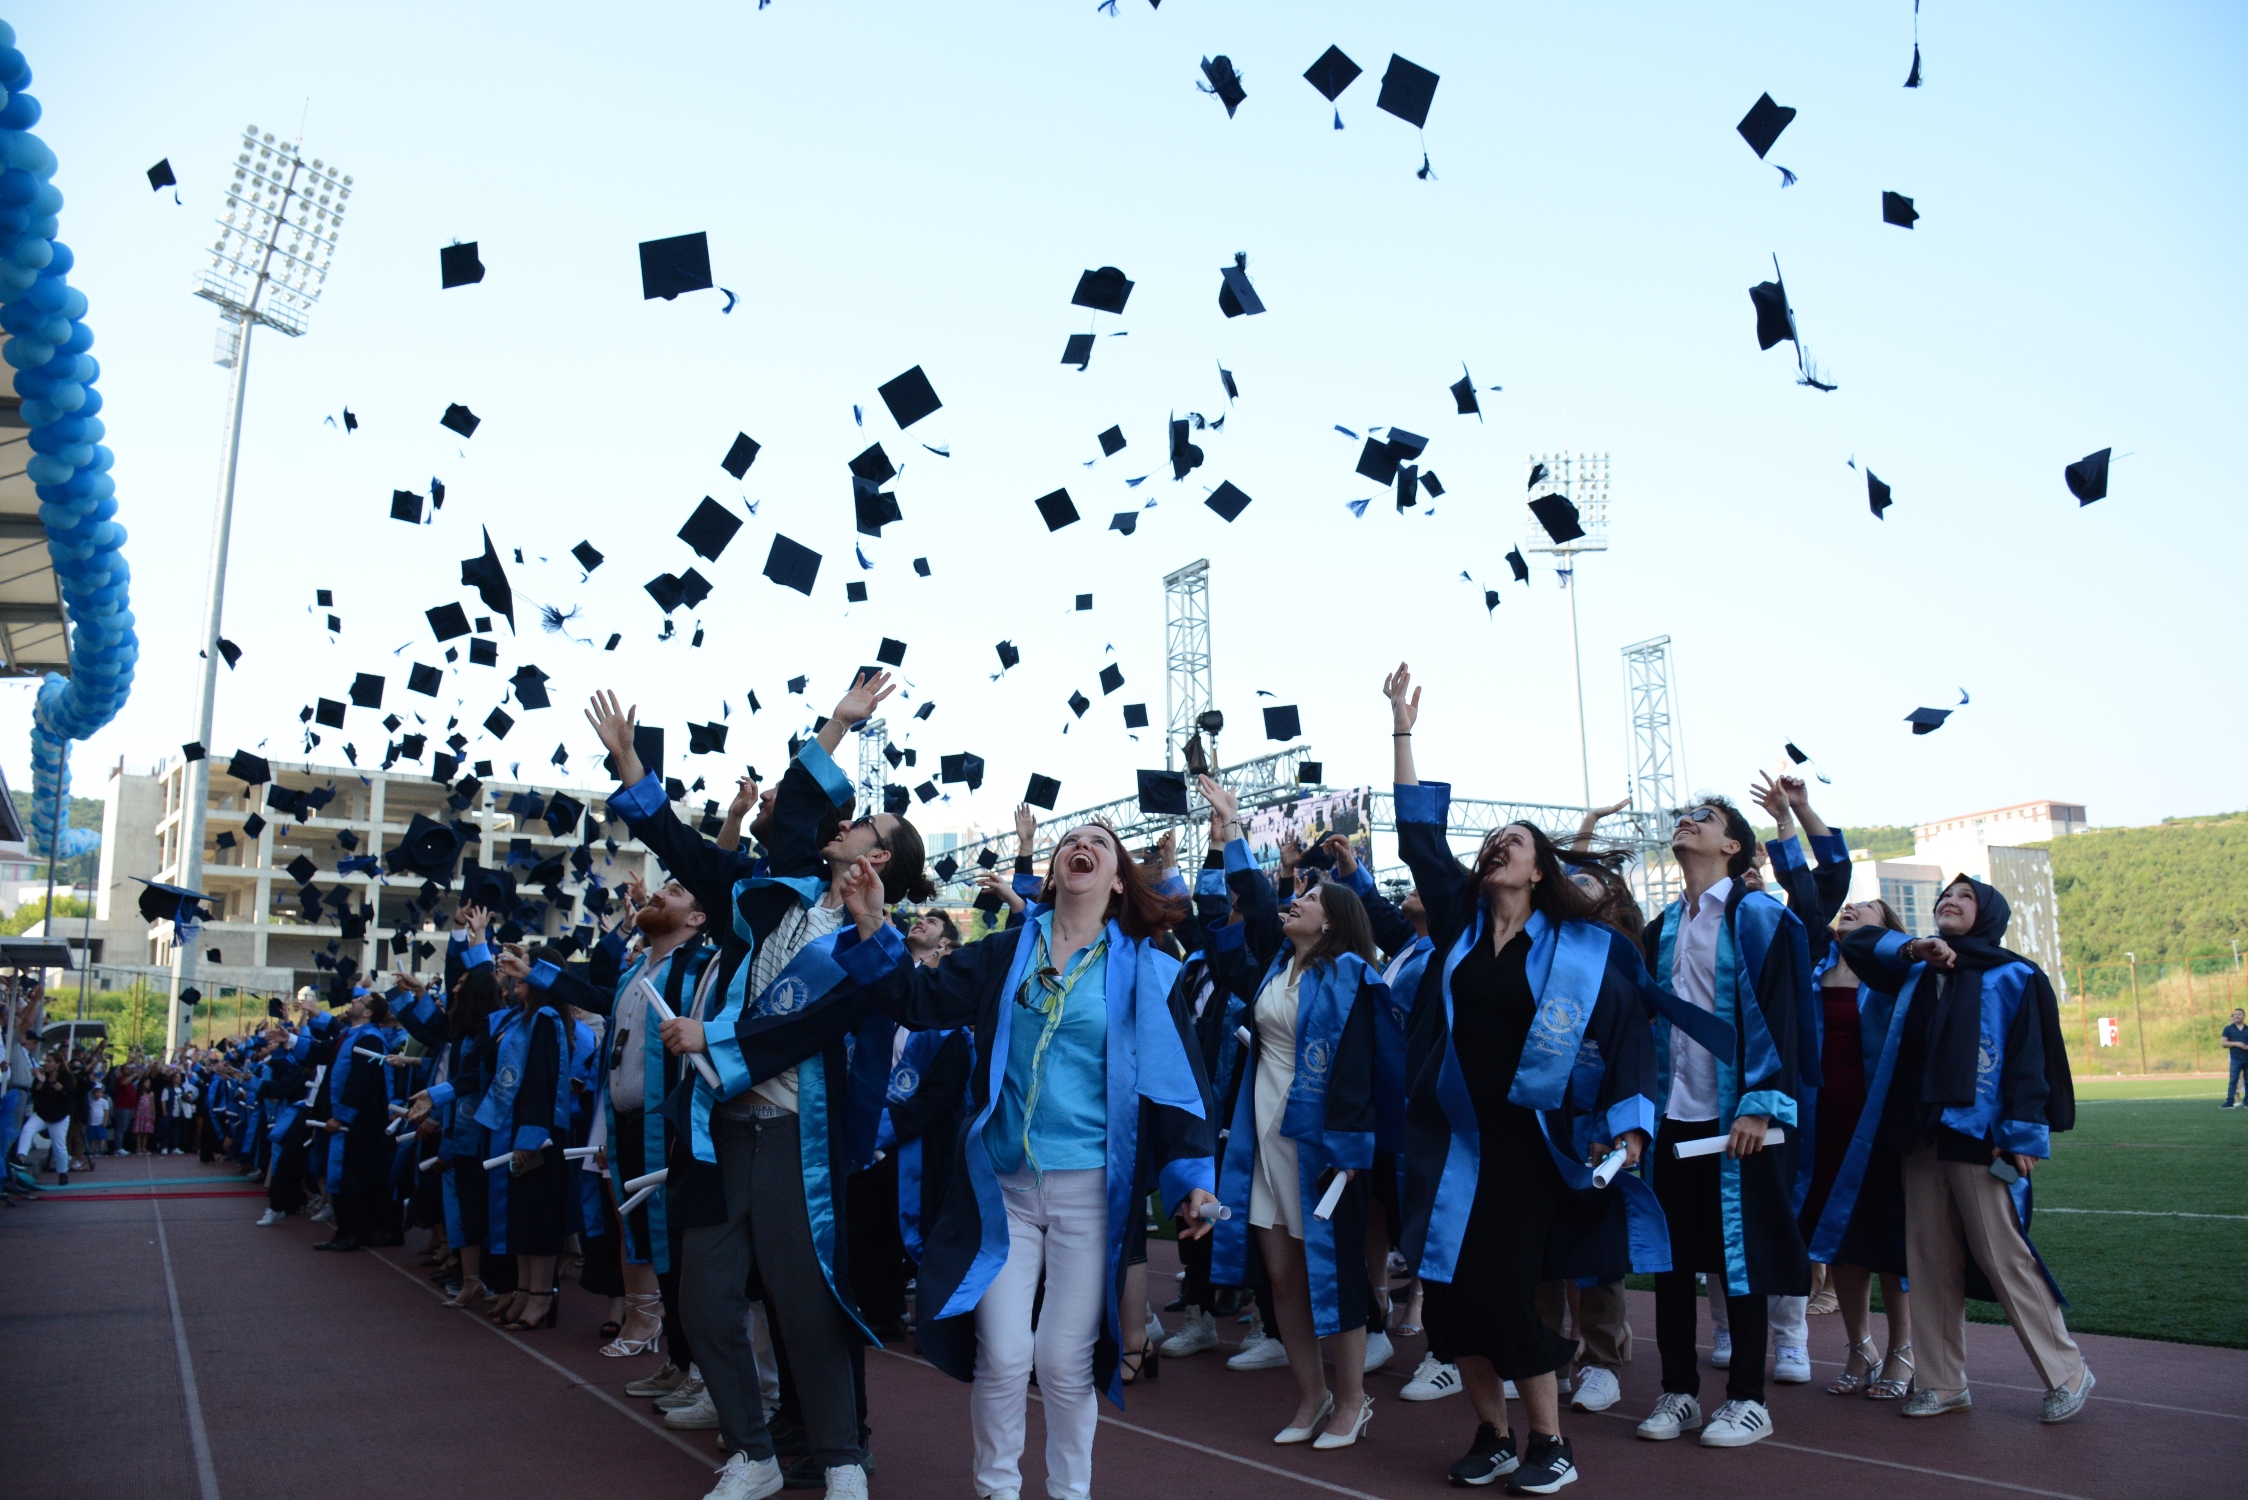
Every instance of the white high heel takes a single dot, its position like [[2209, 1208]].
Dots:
[[1327, 1440], [1305, 1433]]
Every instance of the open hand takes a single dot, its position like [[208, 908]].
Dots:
[[866, 695], [862, 896], [1026, 829], [745, 799], [615, 726], [1225, 804], [1004, 889], [1405, 711], [1346, 858]]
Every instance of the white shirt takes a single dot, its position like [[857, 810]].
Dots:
[[796, 929], [1693, 979]]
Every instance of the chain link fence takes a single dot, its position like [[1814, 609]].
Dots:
[[2150, 1017]]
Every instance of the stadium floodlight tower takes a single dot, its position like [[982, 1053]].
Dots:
[[1582, 479], [268, 267]]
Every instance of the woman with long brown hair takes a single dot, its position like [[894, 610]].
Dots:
[[1085, 1071]]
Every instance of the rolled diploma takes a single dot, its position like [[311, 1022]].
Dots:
[[1213, 1210], [1710, 1145], [702, 1064], [1333, 1196], [652, 1179]]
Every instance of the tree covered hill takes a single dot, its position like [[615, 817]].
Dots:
[[2175, 890]]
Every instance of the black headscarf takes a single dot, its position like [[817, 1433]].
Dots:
[[1955, 1024]]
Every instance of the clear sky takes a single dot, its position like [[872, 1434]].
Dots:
[[889, 184]]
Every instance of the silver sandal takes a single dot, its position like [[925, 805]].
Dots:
[[1886, 1389], [1849, 1383]]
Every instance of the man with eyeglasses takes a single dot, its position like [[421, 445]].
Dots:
[[1742, 956], [763, 1157]]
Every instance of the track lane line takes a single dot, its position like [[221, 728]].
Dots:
[[199, 1437]]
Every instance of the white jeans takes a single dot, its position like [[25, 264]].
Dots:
[[1059, 1227], [1790, 1319], [58, 1138]]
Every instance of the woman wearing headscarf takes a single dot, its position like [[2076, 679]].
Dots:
[[1980, 1083]]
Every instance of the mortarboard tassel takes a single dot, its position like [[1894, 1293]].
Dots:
[[1338, 119], [731, 299], [1787, 178]]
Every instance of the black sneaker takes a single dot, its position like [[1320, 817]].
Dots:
[[1548, 1467], [1489, 1458]]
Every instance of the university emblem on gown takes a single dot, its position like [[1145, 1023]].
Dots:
[[785, 997], [903, 1083], [510, 1076], [1316, 1057], [1559, 1023]]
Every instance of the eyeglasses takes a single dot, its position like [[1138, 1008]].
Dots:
[[1698, 815], [868, 824]]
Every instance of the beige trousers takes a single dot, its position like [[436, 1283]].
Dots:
[[1604, 1325], [1951, 1209]]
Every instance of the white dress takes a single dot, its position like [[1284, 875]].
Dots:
[[1275, 1192]]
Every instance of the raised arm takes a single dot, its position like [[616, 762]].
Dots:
[[1253, 894], [1589, 825], [744, 803], [1404, 712]]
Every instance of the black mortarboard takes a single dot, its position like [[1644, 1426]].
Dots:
[[530, 687], [910, 397], [2087, 477], [1135, 716], [423, 680], [792, 564], [461, 420], [1407, 90], [1514, 560], [1927, 720], [1794, 754], [1332, 74], [1897, 209], [1111, 441], [457, 265], [1084, 601], [406, 506], [1078, 350], [1463, 394], [1043, 791], [1224, 82], [1009, 657], [946, 866], [1774, 323], [739, 457], [497, 724], [874, 466], [164, 903], [1112, 678], [1163, 792], [1282, 722], [329, 713], [710, 528], [324, 598], [1558, 516], [872, 508], [193, 750], [1877, 495], [1057, 510], [706, 739], [921, 567], [1225, 378], [490, 582], [226, 841], [964, 766], [896, 799], [588, 558], [796, 684], [1184, 454], [1078, 703], [1431, 484], [927, 708], [286, 801], [1105, 290], [890, 653], [253, 825], [366, 690], [1309, 772], [1126, 521], [1235, 296], [669, 267], [483, 653], [854, 592], [927, 791], [1762, 125], [1227, 500], [562, 813], [301, 870], [230, 651], [160, 176]]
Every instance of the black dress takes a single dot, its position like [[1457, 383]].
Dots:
[[1491, 1310]]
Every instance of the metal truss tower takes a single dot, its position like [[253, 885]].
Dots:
[[874, 765], [1187, 692], [1656, 764]]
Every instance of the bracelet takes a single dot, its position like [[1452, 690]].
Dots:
[[1402, 735]]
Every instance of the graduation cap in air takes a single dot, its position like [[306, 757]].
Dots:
[[792, 565], [1163, 792], [1379, 459], [740, 456], [1762, 125], [1135, 716], [2087, 477], [301, 870], [366, 690], [457, 265], [428, 849], [1236, 296], [796, 684], [1225, 378], [249, 769], [1078, 703], [962, 767], [1331, 74], [1775, 323], [497, 723], [1309, 772], [1281, 722], [1877, 496], [193, 751], [1463, 395], [921, 567], [490, 581], [1184, 454], [1009, 657], [670, 267], [231, 652], [896, 800], [1078, 350], [710, 528], [647, 743], [1043, 791], [910, 397], [854, 592], [1897, 209], [872, 508], [562, 814], [483, 653], [1224, 82], [1105, 290], [874, 466], [1112, 441], [1126, 521], [1112, 678], [172, 903], [160, 176], [461, 420], [494, 890], [1407, 91], [530, 687], [1558, 515], [890, 653], [406, 506], [587, 555], [328, 713], [423, 680], [1927, 720], [1057, 510], [1228, 500], [946, 866]]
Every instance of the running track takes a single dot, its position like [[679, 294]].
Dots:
[[161, 1346]]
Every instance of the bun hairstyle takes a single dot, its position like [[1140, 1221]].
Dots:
[[905, 877], [1140, 909]]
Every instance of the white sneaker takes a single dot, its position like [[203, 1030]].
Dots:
[[1675, 1415], [1259, 1351], [746, 1478], [1509, 1392], [1597, 1389], [683, 1394], [846, 1483], [327, 1215], [270, 1217], [1432, 1381], [1721, 1352], [1792, 1367], [1199, 1333], [666, 1380], [698, 1415], [1379, 1351], [1737, 1424]]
